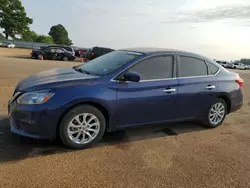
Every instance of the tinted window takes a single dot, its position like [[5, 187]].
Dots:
[[59, 50], [212, 68], [52, 50], [192, 67], [68, 49], [108, 63], [155, 68]]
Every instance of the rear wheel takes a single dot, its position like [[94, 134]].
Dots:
[[82, 127], [65, 59], [216, 113]]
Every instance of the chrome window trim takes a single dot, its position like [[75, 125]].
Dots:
[[163, 79], [201, 76]]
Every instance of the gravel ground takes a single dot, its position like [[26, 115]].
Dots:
[[176, 155]]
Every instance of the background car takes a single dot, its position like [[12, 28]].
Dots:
[[53, 53], [8, 45], [124, 88], [239, 66], [97, 52], [68, 52]]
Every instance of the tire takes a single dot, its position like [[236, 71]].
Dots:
[[54, 57], [65, 59], [70, 119], [207, 120]]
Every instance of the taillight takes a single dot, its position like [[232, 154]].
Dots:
[[240, 82]]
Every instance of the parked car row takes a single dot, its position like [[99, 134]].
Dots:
[[66, 53], [233, 65]]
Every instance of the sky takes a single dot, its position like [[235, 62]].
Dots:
[[218, 29]]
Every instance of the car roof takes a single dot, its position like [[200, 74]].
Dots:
[[149, 51]]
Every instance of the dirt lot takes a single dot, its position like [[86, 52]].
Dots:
[[177, 155]]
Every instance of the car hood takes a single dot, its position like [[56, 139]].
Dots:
[[52, 78]]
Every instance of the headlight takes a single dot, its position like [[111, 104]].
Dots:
[[36, 97]]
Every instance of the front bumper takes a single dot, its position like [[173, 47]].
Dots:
[[31, 122]]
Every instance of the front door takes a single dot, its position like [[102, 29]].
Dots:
[[153, 98]]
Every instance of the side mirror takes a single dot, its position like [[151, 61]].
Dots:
[[132, 76]]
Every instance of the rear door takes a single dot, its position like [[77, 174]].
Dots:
[[196, 86], [152, 99], [50, 53], [60, 53]]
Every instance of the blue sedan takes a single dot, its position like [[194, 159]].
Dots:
[[123, 88]]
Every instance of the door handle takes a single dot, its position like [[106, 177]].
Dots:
[[210, 87], [169, 90]]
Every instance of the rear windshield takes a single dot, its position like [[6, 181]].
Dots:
[[108, 63]]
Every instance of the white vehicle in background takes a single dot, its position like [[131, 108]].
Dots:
[[8, 45], [239, 66], [11, 45]]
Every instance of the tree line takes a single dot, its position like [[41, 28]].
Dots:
[[15, 24]]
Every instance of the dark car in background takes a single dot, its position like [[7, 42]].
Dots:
[[53, 53], [123, 88], [97, 52], [37, 51]]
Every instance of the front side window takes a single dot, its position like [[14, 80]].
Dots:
[[108, 63], [190, 67], [160, 67]]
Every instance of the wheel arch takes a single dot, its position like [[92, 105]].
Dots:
[[97, 105], [227, 100]]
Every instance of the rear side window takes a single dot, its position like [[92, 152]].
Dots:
[[212, 68], [190, 67], [68, 49], [160, 67]]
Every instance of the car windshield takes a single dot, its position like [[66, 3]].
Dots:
[[108, 63]]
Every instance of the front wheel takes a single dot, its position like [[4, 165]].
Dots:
[[82, 127], [216, 113]]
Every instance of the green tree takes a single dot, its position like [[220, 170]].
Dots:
[[45, 39], [13, 18], [60, 35], [29, 36]]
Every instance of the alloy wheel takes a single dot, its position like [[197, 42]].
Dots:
[[217, 113], [83, 128]]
